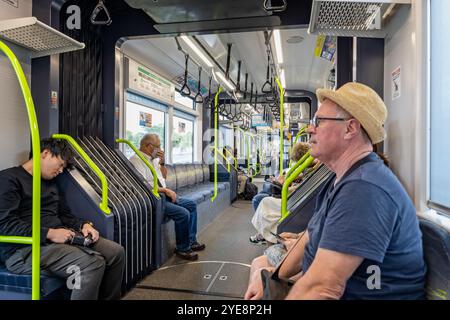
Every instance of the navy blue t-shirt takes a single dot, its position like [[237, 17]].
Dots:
[[369, 214]]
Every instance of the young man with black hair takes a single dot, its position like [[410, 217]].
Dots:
[[101, 265]]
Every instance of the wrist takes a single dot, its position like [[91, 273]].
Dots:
[[84, 223]]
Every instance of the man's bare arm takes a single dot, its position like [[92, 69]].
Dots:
[[327, 276]]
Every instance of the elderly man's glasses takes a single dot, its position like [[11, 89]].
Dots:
[[315, 121]]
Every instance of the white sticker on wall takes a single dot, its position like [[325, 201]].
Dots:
[[396, 83]]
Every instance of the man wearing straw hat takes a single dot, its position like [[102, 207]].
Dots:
[[363, 241]]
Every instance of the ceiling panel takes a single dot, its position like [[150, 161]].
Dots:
[[303, 70]]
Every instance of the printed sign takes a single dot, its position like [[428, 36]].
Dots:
[[396, 83], [325, 47], [145, 119], [54, 100], [150, 83], [258, 120]]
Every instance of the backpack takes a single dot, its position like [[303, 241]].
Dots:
[[250, 190]]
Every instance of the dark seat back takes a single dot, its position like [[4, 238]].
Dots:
[[436, 247]]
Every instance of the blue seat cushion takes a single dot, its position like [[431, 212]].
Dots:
[[11, 282], [191, 194]]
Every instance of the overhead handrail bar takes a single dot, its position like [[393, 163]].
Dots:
[[104, 203], [35, 239], [147, 163]]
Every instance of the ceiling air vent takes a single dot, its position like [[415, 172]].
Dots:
[[351, 18]]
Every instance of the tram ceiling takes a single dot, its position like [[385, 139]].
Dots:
[[303, 71]]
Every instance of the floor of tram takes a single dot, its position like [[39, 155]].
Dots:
[[222, 269]]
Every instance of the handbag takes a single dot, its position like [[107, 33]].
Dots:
[[274, 287]]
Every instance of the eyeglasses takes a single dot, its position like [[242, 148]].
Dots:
[[315, 121]]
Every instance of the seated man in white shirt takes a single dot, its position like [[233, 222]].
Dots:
[[182, 211]]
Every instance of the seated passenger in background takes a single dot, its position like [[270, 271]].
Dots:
[[101, 264], [268, 208], [363, 241], [183, 211], [298, 151]]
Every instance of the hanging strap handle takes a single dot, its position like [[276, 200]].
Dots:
[[198, 97], [98, 8], [267, 83], [185, 91]]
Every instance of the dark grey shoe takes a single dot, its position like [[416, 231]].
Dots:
[[186, 255], [197, 246]]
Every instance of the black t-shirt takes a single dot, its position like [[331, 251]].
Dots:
[[16, 190]]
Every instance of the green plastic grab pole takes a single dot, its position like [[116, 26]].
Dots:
[[288, 182], [141, 156], [104, 204], [35, 239], [223, 156], [301, 132], [281, 123], [299, 162], [216, 140], [232, 156]]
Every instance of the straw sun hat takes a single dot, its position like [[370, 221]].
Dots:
[[363, 103]]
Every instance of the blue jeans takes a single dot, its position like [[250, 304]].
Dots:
[[257, 199], [184, 213]]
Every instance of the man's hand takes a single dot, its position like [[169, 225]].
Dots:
[[290, 235], [161, 155], [88, 229], [255, 287], [281, 179], [171, 194], [60, 235]]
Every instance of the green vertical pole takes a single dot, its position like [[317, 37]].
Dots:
[[36, 148], [281, 123], [216, 138]]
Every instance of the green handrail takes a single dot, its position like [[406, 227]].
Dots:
[[104, 204], [35, 239], [288, 182], [216, 140], [257, 163], [223, 156], [300, 133], [281, 122], [299, 162], [233, 157], [148, 164]]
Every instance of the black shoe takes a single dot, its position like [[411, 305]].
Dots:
[[197, 246], [187, 255]]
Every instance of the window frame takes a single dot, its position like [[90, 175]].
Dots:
[[439, 208]]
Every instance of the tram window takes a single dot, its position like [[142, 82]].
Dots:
[[182, 140], [440, 111], [184, 101], [141, 119]]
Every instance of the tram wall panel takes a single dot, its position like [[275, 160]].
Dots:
[[84, 201]]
